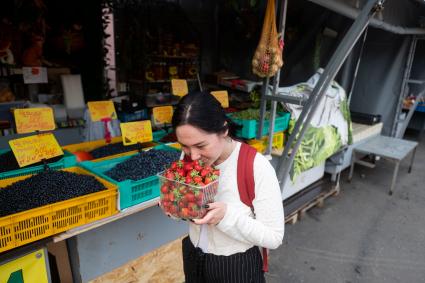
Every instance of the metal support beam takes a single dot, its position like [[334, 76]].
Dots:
[[338, 58], [282, 23]]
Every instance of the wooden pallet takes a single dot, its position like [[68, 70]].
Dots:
[[318, 201]]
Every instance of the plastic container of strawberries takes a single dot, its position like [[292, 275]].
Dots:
[[183, 200]]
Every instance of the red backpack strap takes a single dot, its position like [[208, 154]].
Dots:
[[245, 175], [246, 184]]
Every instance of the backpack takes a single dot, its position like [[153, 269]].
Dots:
[[246, 184]]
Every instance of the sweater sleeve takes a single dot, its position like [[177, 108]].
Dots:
[[267, 229]]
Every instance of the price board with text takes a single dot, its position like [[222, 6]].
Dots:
[[179, 87], [33, 149], [101, 110], [222, 96], [162, 114], [136, 132], [29, 120], [32, 267]]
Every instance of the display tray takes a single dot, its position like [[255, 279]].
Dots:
[[31, 225], [131, 192]]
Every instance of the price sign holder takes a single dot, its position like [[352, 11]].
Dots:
[[136, 132], [179, 87], [162, 115], [101, 110], [36, 148], [222, 96], [30, 267], [30, 120]]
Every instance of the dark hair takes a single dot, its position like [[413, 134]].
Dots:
[[202, 110]]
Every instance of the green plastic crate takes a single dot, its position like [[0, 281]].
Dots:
[[68, 160], [158, 135], [130, 192], [249, 127]]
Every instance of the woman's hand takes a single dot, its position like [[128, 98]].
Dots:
[[216, 212]]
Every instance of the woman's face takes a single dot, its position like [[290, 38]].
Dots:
[[200, 145]]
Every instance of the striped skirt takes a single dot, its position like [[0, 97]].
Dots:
[[202, 267]]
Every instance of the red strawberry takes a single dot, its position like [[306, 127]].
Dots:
[[197, 179], [173, 165], [188, 167], [182, 190], [171, 196], [207, 180], [164, 189], [204, 172], [197, 167], [169, 175], [190, 197], [188, 179], [180, 172]]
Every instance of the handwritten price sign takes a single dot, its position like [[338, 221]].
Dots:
[[163, 114], [179, 87], [222, 96], [136, 132], [101, 109], [33, 149], [34, 119]]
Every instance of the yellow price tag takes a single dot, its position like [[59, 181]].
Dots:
[[163, 114], [28, 268], [179, 87], [136, 132], [222, 96], [34, 149], [34, 119], [101, 109]]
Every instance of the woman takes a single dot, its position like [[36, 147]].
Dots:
[[223, 245]]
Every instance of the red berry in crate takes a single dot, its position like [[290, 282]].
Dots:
[[164, 189]]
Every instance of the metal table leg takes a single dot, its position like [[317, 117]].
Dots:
[[412, 159], [353, 161], [397, 164]]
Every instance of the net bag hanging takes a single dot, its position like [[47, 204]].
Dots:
[[268, 55]]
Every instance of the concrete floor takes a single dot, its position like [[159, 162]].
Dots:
[[362, 235]]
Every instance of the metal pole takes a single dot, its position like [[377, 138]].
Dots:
[[406, 76], [344, 48], [282, 23], [263, 104], [353, 84]]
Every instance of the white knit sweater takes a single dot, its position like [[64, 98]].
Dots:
[[239, 230]]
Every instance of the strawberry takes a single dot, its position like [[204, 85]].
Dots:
[[197, 167], [188, 167], [180, 172], [164, 189], [204, 172], [197, 179], [194, 173], [216, 172], [190, 197], [207, 180], [185, 213], [169, 175], [173, 165], [183, 190], [188, 179], [171, 196]]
